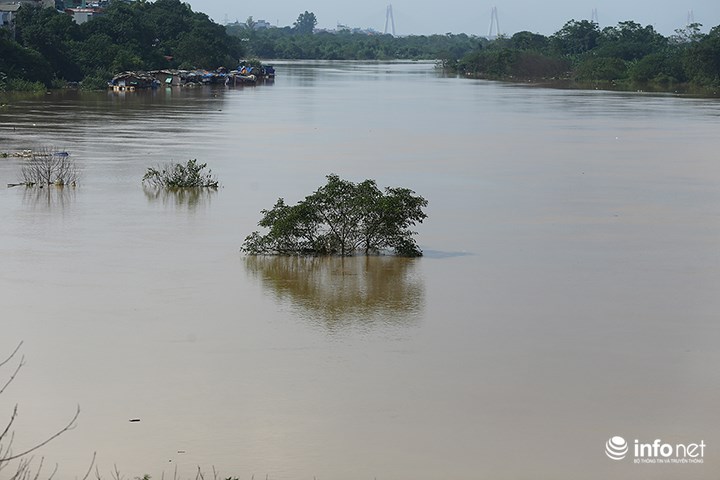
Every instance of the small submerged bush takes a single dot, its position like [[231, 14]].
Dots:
[[47, 166], [177, 175]]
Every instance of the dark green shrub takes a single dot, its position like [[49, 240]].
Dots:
[[177, 175], [341, 218], [602, 68]]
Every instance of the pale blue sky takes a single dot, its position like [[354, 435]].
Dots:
[[466, 16]]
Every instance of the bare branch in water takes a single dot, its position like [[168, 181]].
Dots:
[[11, 355], [22, 469], [50, 167], [116, 474], [69, 426], [91, 466]]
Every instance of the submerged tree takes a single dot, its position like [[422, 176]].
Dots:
[[342, 218], [178, 175], [49, 167]]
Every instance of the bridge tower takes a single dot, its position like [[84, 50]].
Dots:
[[389, 19], [494, 22]]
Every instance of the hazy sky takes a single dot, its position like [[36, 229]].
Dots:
[[468, 16]]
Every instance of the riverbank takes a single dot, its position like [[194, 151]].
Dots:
[[685, 89]]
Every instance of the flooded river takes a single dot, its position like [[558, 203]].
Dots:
[[569, 292]]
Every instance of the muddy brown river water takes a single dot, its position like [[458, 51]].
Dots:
[[569, 294]]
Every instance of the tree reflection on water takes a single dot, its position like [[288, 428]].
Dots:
[[339, 293], [50, 197], [180, 197]]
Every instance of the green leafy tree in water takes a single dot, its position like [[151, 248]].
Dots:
[[342, 218], [305, 23], [177, 175]]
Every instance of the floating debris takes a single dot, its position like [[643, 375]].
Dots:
[[20, 154], [31, 154]]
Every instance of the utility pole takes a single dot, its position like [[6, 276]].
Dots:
[[690, 18], [389, 19], [594, 16], [494, 22]]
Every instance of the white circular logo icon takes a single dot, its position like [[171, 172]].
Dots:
[[616, 448]]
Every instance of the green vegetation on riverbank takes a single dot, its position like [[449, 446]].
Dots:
[[627, 55], [50, 49]]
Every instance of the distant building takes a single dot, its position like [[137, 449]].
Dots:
[[4, 4], [80, 10], [85, 4], [7, 17], [8, 10], [262, 25], [82, 15], [347, 29]]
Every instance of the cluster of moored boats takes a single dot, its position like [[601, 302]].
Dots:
[[243, 74]]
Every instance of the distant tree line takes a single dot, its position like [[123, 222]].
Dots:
[[579, 51], [299, 42], [625, 54], [49, 48]]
